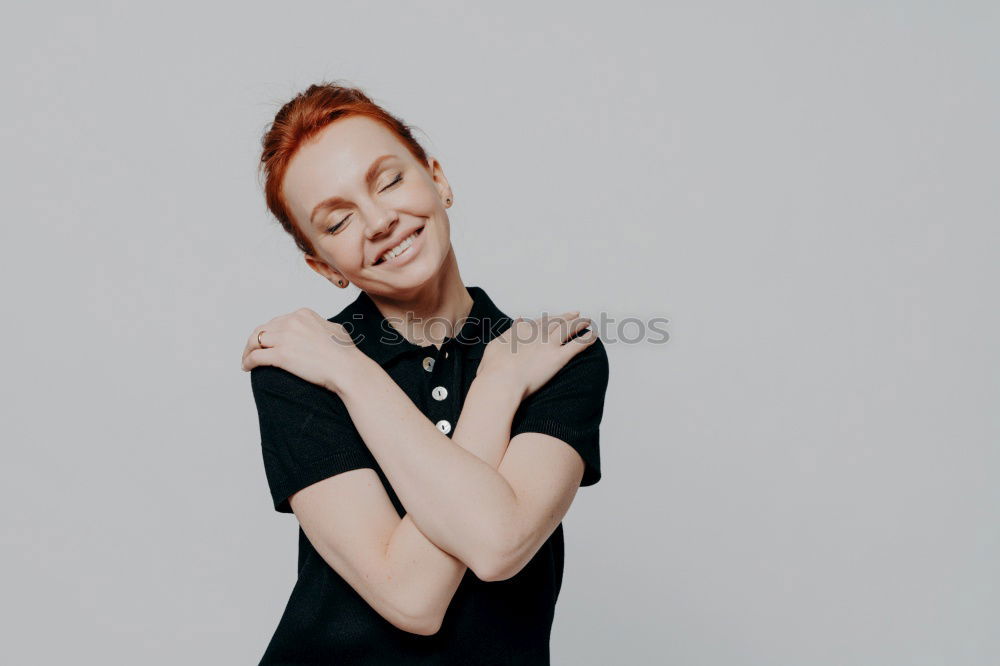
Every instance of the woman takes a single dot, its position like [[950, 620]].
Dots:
[[428, 445]]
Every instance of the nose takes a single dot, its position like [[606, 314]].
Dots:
[[382, 224]]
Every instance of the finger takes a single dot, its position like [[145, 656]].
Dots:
[[268, 339], [256, 357], [564, 317], [271, 324], [251, 342], [564, 325], [579, 343], [575, 327]]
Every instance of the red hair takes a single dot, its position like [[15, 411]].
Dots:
[[304, 117]]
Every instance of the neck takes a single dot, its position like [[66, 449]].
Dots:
[[431, 312]]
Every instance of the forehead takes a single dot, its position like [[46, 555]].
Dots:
[[334, 162]]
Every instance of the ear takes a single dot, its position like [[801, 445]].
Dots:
[[326, 270], [440, 181]]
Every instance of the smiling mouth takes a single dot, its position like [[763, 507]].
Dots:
[[414, 235]]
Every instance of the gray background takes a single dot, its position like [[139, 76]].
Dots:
[[806, 473]]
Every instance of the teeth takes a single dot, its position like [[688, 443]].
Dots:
[[398, 250]]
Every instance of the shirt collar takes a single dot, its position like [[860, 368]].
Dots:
[[374, 335]]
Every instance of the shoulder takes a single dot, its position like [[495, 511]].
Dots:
[[586, 373], [273, 378], [270, 381], [592, 360]]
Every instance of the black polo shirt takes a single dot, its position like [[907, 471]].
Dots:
[[307, 435]]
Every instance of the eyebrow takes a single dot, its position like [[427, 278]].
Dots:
[[333, 202]]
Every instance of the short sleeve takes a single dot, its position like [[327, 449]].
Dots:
[[570, 406], [306, 433]]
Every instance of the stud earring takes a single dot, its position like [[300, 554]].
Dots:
[[448, 201], [340, 282]]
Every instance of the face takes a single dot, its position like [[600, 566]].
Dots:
[[356, 192]]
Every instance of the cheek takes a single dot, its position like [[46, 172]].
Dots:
[[423, 198], [344, 250]]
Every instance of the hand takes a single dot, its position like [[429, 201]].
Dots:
[[531, 351], [305, 344]]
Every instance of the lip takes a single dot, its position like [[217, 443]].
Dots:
[[410, 251]]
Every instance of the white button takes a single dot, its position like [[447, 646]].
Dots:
[[439, 393], [446, 354], [428, 364], [443, 426]]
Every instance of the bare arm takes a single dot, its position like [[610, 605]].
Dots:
[[458, 500], [388, 560], [465, 506], [490, 530]]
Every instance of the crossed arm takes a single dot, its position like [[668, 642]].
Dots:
[[478, 500]]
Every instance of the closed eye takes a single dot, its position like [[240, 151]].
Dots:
[[397, 179]]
